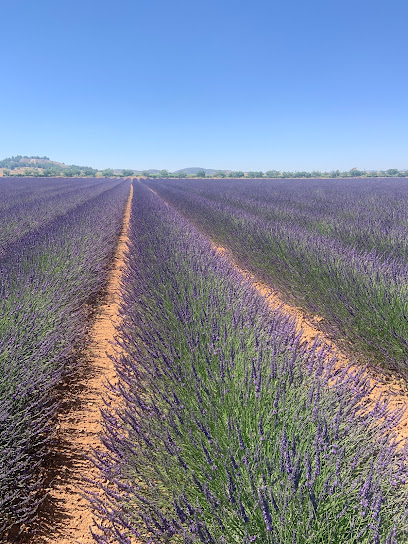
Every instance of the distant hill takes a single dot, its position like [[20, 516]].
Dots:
[[23, 165], [20, 161], [194, 169]]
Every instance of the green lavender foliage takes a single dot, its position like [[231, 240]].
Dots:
[[49, 275], [228, 431], [335, 247]]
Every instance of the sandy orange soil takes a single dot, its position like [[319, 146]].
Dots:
[[68, 516]]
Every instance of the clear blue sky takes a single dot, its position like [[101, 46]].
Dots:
[[266, 84]]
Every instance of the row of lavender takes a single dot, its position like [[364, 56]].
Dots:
[[26, 205], [48, 275], [227, 430], [335, 247]]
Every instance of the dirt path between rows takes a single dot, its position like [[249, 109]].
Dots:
[[385, 385], [70, 516]]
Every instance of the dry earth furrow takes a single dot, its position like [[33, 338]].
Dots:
[[69, 516]]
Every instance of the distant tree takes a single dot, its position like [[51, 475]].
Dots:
[[392, 172], [127, 173], [51, 171], [200, 174], [335, 174], [354, 173], [236, 174], [72, 172], [252, 174], [6, 172], [180, 175], [163, 173], [316, 174], [272, 174], [146, 174], [219, 174], [108, 173], [87, 171]]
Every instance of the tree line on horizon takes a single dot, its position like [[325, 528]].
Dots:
[[36, 166], [391, 172]]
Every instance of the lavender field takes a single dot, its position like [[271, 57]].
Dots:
[[338, 248], [232, 429], [222, 423], [57, 239]]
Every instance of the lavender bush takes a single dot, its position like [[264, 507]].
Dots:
[[227, 430], [335, 247], [48, 275]]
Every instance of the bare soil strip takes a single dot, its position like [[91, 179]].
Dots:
[[307, 324], [80, 423]]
